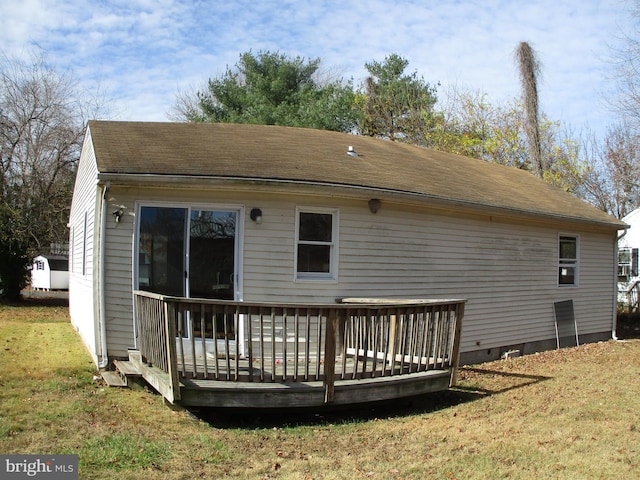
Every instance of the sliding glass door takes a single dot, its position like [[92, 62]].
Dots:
[[192, 252], [188, 252]]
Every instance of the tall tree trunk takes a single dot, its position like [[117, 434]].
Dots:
[[529, 70]]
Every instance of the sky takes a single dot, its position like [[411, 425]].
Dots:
[[140, 54]]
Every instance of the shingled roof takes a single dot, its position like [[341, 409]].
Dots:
[[262, 152]]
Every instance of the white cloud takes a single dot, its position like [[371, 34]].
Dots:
[[143, 51]]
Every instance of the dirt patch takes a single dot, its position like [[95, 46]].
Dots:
[[41, 298]]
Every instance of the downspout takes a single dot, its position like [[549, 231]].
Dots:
[[104, 358], [614, 323]]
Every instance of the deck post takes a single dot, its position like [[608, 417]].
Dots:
[[455, 353], [330, 355], [392, 342], [172, 360]]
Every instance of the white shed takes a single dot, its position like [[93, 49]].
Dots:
[[50, 273]]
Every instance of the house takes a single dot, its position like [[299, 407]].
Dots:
[[50, 272], [262, 243], [628, 247]]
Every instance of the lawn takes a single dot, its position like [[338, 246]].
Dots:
[[561, 414]]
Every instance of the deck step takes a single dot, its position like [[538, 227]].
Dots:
[[135, 356], [114, 379], [126, 368]]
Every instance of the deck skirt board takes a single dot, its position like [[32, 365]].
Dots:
[[210, 393]]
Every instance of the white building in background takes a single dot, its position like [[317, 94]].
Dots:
[[50, 272], [628, 248]]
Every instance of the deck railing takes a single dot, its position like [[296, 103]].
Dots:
[[633, 297], [291, 343]]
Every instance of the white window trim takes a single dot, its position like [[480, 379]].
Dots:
[[575, 265], [332, 275]]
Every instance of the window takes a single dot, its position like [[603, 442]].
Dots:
[[568, 261], [316, 244], [627, 264]]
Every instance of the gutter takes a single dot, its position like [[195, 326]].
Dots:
[[104, 358]]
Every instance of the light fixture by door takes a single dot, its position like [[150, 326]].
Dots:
[[256, 215], [117, 214], [374, 205]]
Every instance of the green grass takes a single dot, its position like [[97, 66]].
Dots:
[[570, 414], [123, 452]]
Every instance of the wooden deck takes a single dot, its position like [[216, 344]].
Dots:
[[200, 352], [633, 297]]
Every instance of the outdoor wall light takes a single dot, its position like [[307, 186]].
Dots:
[[117, 214], [374, 205], [256, 215]]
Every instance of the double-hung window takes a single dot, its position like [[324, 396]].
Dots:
[[627, 264], [568, 260], [316, 244]]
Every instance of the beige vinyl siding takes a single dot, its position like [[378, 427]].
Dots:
[[491, 265], [118, 275], [597, 295], [507, 271], [82, 218], [269, 253]]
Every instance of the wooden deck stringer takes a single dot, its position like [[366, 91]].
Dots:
[[155, 377], [114, 379]]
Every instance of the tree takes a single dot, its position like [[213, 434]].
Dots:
[[468, 124], [613, 181], [529, 69], [395, 105], [41, 130], [626, 80], [271, 88], [14, 253]]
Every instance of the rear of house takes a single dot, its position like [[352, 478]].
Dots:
[[173, 209]]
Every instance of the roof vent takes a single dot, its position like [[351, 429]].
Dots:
[[351, 152]]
